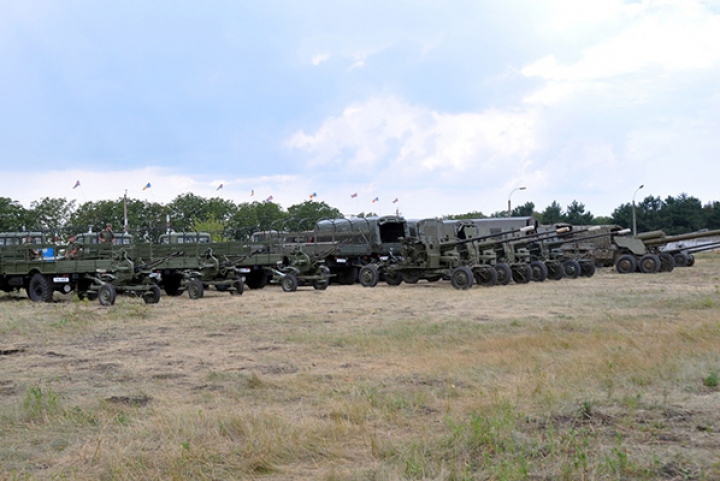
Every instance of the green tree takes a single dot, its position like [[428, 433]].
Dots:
[[682, 214], [552, 214], [576, 215], [50, 214], [469, 215], [525, 210], [94, 215], [712, 215], [13, 216], [304, 216]]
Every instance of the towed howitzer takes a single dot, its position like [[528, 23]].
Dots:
[[299, 268], [644, 252]]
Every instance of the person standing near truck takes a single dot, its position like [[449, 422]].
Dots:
[[106, 236]]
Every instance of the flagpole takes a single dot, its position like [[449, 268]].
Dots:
[[125, 214]]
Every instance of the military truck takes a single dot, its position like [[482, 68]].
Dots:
[[97, 273]]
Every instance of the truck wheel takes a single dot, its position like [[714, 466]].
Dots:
[[152, 295], [461, 278], [504, 274], [39, 289], [368, 276], [649, 264], [289, 283], [195, 289], [106, 295], [346, 276], [172, 285], [539, 271], [257, 279], [626, 264], [571, 268]]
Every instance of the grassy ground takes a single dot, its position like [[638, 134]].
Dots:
[[613, 377]]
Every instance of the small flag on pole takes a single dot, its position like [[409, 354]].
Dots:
[[219, 187], [252, 192], [147, 186], [396, 200], [269, 199], [376, 199], [314, 194], [77, 184]]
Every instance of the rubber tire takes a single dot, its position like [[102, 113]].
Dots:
[[571, 269], [555, 271], [539, 271], [368, 276], [521, 273], [393, 279], [649, 264], [257, 279], [239, 288], [485, 276], [587, 269], [152, 296], [39, 288], [461, 278], [691, 262], [106, 295], [195, 289], [411, 278], [289, 283], [626, 264], [681, 259], [504, 274], [172, 285], [667, 262]]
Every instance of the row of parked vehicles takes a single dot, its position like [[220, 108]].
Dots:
[[388, 249]]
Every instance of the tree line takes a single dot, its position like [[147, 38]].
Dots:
[[189, 212]]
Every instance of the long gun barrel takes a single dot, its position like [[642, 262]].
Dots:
[[157, 262], [663, 239], [240, 258]]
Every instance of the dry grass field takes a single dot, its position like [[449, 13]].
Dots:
[[614, 377]]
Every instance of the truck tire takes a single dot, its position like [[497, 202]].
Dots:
[[39, 288], [368, 276]]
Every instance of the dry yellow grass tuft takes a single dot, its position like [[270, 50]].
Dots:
[[613, 377]]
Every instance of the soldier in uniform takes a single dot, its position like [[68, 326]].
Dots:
[[106, 236]]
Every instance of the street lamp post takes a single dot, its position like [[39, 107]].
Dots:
[[633, 210], [510, 195]]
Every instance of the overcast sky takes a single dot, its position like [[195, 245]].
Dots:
[[447, 106]]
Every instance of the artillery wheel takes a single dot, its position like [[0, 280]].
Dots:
[[195, 289], [691, 262], [587, 268], [667, 262], [289, 283], [172, 285], [321, 284], [681, 259], [571, 268], [393, 278], [539, 271], [237, 288], [521, 273], [257, 279], [485, 276], [39, 289], [152, 296], [649, 264], [626, 264], [411, 278], [369, 276], [504, 274], [555, 271], [347, 276], [461, 278], [106, 295]]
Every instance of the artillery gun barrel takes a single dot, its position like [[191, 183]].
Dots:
[[702, 247], [596, 236], [656, 241], [491, 236], [241, 257], [157, 262]]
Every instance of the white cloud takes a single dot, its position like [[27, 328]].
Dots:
[[670, 36], [320, 58]]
